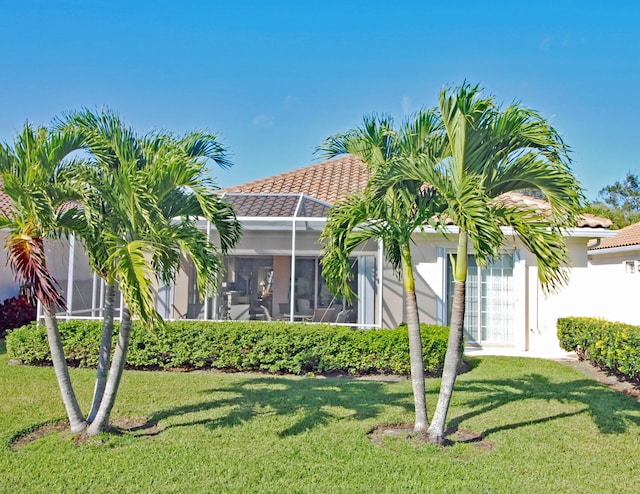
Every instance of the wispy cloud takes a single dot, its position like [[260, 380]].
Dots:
[[545, 44], [407, 106], [265, 121], [290, 100]]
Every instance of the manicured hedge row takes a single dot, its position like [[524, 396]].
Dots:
[[613, 346], [242, 346]]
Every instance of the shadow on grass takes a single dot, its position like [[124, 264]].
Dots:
[[3, 346], [313, 402], [611, 411]]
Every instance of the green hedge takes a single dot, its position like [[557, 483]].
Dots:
[[242, 346], [613, 346]]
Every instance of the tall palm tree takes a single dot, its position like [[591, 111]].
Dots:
[[490, 151], [391, 213], [140, 200], [29, 171]]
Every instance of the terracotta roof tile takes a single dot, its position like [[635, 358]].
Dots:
[[273, 206], [627, 236], [326, 181], [329, 180], [587, 220], [5, 202]]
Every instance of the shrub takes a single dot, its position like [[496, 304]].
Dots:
[[274, 347], [613, 346], [15, 312]]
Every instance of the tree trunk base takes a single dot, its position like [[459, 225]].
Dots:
[[76, 428]]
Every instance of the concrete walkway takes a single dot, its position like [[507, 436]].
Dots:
[[559, 354]]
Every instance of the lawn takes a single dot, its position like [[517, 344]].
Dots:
[[547, 429]]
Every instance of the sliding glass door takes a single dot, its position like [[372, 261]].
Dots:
[[489, 301]]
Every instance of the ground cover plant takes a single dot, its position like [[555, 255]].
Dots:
[[546, 428]]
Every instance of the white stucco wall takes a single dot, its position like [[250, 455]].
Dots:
[[611, 290], [535, 313], [544, 309]]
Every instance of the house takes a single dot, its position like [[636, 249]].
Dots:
[[275, 271], [614, 277], [282, 216]]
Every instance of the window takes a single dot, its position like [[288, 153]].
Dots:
[[631, 267]]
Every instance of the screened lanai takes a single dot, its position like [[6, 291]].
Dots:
[[280, 243]]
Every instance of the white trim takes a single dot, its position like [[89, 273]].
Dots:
[[613, 250], [207, 296], [380, 261], [441, 263], [509, 231]]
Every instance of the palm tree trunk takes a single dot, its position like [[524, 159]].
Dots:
[[415, 345], [115, 374], [104, 353], [76, 419], [454, 346]]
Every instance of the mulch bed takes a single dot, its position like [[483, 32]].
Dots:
[[604, 377]]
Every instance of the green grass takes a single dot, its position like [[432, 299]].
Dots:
[[550, 429]]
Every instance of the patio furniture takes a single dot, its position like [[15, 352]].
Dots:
[[267, 314], [323, 315], [343, 316], [304, 306]]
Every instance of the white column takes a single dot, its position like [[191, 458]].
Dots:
[[94, 288], [380, 281], [207, 295], [292, 293], [72, 251]]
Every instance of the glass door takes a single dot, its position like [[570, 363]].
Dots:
[[489, 301]]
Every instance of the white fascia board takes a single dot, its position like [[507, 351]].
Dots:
[[614, 250], [509, 231], [590, 232]]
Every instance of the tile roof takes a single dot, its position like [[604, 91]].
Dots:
[[326, 181], [627, 236], [5, 202], [587, 220], [329, 180], [276, 205]]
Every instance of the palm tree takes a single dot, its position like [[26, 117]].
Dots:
[[29, 171], [387, 213], [140, 200], [491, 151]]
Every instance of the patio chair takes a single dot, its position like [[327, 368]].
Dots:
[[343, 316], [284, 308], [267, 314], [304, 306], [323, 315]]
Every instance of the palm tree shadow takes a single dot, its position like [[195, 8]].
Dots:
[[611, 411], [309, 402]]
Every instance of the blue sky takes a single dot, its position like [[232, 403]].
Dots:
[[273, 79]]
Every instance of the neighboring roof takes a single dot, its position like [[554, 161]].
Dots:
[[587, 220], [332, 179], [326, 181], [626, 237]]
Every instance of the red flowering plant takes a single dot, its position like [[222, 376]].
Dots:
[[16, 312]]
